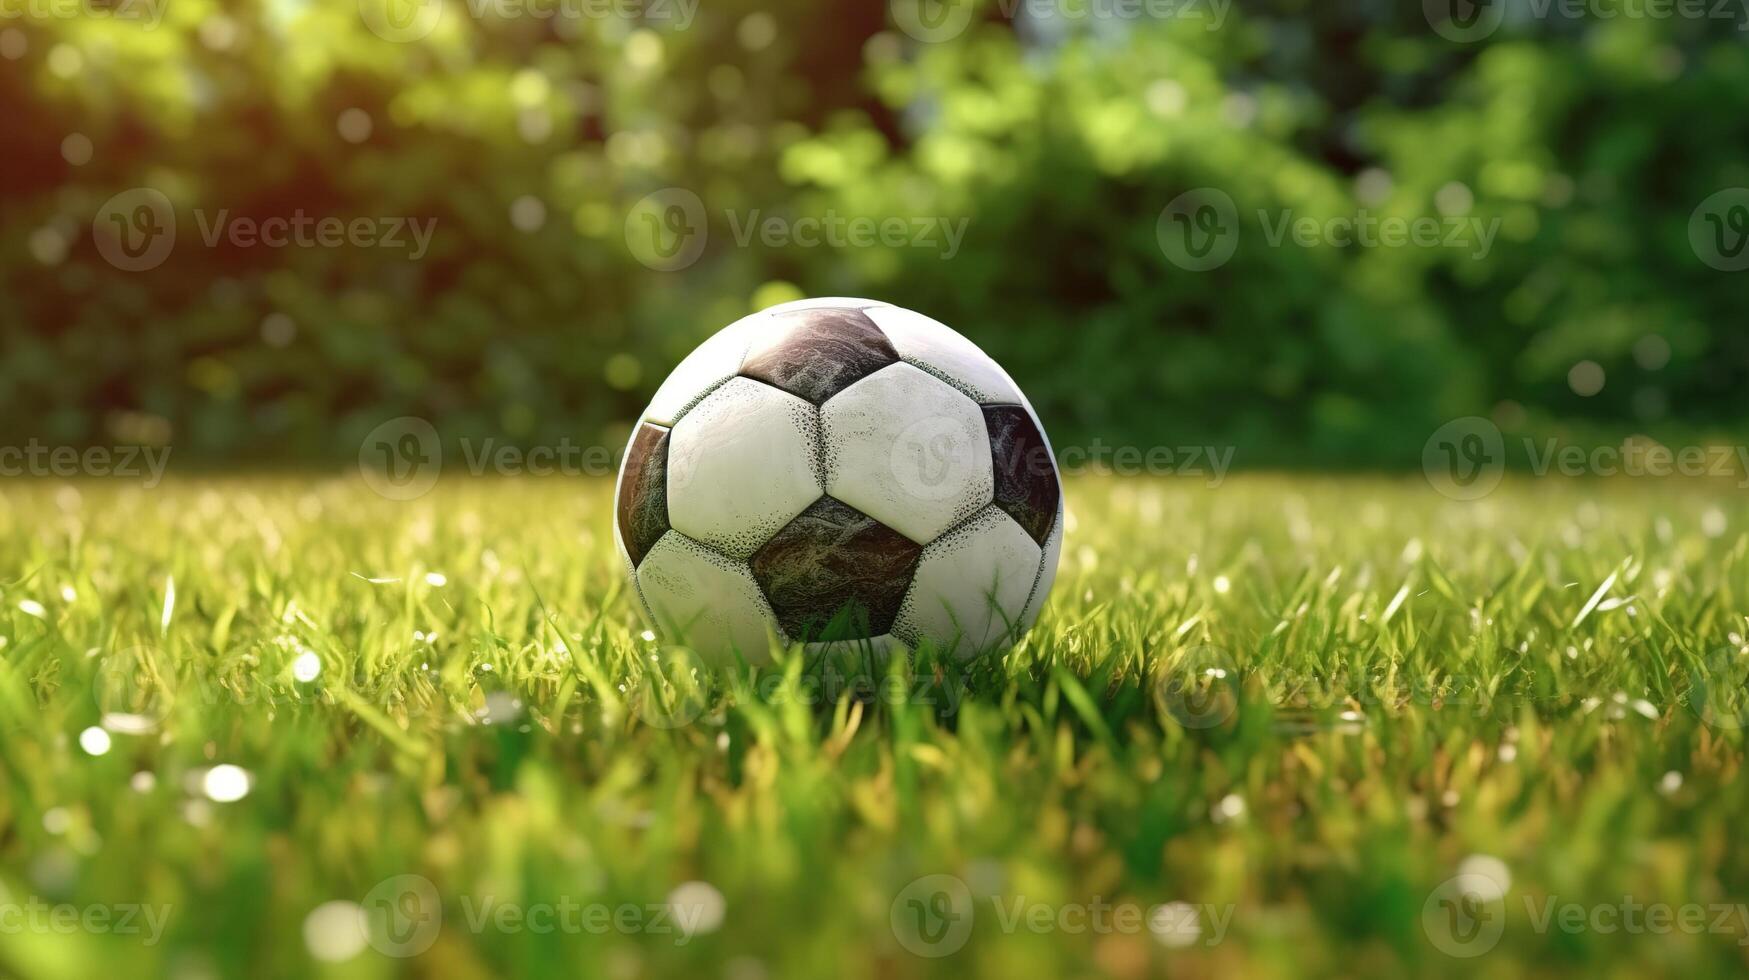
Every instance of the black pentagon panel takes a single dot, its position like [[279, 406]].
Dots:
[[835, 573], [1026, 475], [816, 353], [643, 491]]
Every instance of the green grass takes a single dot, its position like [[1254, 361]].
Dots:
[[1411, 686]]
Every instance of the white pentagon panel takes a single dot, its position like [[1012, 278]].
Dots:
[[908, 450], [741, 464], [709, 365], [939, 349], [702, 600], [971, 586], [1047, 573]]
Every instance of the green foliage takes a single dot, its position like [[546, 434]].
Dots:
[[1585, 144]]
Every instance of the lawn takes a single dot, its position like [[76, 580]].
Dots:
[[1287, 726]]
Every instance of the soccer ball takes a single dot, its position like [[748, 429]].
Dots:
[[837, 471]]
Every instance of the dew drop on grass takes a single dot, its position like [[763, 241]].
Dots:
[[307, 667], [1175, 924], [143, 782], [698, 907], [335, 931], [95, 741], [1223, 585], [226, 783], [1489, 879], [1671, 782], [1231, 807], [1712, 523], [436, 579]]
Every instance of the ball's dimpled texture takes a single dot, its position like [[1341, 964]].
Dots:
[[839, 470]]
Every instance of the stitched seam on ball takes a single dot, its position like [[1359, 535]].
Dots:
[[947, 379]]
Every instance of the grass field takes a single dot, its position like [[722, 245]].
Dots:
[[1290, 726]]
